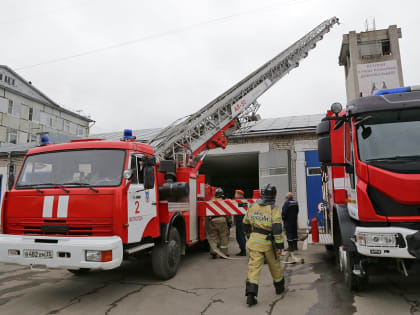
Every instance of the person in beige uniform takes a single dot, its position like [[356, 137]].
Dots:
[[218, 231], [263, 226]]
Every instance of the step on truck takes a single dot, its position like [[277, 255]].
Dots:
[[89, 203], [370, 161]]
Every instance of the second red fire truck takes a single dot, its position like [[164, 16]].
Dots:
[[370, 156]]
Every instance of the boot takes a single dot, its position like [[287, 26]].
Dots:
[[214, 256], [279, 286], [251, 293], [251, 300], [241, 253]]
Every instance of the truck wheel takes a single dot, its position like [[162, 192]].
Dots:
[[79, 272], [353, 282], [166, 258]]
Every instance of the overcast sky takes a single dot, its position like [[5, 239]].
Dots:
[[178, 55]]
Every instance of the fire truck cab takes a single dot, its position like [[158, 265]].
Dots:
[[370, 158], [81, 205]]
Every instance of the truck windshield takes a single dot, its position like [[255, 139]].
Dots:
[[99, 167], [389, 136]]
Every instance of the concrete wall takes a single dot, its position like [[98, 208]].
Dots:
[[278, 143]]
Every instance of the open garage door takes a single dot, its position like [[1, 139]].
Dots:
[[232, 171]]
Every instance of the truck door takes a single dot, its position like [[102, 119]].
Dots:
[[141, 202], [350, 178]]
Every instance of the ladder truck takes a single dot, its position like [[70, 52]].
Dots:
[[370, 161], [89, 203]]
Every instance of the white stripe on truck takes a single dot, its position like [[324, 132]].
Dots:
[[63, 206], [47, 208]]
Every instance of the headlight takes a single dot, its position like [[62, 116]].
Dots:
[[377, 240], [93, 255], [98, 256]]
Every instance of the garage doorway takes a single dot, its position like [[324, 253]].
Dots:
[[232, 171]]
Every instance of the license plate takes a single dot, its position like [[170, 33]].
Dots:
[[37, 253]]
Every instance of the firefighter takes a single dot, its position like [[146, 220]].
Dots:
[[218, 232], [263, 225], [289, 214], [240, 235]]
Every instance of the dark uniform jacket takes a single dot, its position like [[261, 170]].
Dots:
[[289, 214]]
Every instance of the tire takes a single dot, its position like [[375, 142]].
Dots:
[[166, 258], [352, 281], [79, 272]]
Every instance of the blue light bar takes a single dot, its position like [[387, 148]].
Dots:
[[394, 91], [45, 140], [128, 134]]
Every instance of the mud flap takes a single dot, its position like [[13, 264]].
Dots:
[[347, 228]]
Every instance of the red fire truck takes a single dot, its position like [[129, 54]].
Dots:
[[88, 203], [370, 156]]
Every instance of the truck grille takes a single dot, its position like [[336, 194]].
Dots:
[[96, 227]]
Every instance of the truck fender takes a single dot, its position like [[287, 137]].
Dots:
[[347, 227], [177, 221]]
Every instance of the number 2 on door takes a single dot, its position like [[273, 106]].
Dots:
[[137, 204]]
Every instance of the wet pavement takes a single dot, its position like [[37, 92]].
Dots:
[[204, 286]]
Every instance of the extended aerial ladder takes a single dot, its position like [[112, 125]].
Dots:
[[207, 128]]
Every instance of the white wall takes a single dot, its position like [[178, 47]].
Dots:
[[300, 147]]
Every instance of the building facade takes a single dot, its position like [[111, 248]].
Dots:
[[25, 112], [371, 61]]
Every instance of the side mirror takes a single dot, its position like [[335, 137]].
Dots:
[[128, 174], [366, 132], [149, 172], [349, 168], [324, 149]]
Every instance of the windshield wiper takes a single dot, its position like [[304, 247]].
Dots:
[[44, 184], [82, 185]]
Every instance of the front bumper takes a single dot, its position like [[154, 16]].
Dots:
[[73, 247], [400, 250]]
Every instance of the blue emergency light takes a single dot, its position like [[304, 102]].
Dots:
[[404, 89], [128, 134], [45, 140]]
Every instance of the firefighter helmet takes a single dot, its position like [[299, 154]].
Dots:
[[218, 193], [268, 192]]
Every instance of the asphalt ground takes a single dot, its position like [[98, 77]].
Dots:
[[205, 286]]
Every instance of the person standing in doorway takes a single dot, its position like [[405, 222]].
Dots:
[[240, 233], [289, 215]]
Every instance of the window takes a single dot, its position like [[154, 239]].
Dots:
[[10, 109], [31, 113], [32, 138], [80, 131], [133, 166], [273, 171], [386, 48], [1, 76], [101, 167], [36, 115], [67, 126], [13, 108], [11, 135], [313, 171]]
